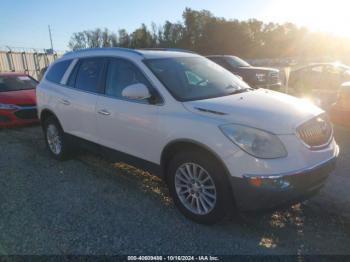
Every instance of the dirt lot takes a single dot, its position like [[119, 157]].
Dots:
[[89, 206]]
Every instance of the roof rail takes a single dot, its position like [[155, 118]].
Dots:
[[83, 50], [168, 49]]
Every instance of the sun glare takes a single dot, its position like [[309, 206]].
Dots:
[[326, 16]]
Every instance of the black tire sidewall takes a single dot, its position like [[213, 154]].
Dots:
[[224, 202]]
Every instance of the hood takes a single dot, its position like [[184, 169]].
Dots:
[[20, 97], [264, 109]]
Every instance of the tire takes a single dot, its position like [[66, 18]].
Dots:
[[211, 173], [57, 141]]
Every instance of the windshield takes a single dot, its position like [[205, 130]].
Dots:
[[236, 61], [15, 83], [195, 78]]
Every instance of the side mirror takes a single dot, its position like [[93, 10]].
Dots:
[[136, 91]]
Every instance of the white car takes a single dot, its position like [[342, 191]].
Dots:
[[217, 143]]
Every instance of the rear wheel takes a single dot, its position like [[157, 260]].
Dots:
[[199, 187], [56, 139]]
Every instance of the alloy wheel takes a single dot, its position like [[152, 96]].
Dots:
[[195, 188], [54, 139]]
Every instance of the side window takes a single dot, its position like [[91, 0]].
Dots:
[[89, 74], [120, 74], [57, 71]]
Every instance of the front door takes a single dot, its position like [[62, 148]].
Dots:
[[129, 126]]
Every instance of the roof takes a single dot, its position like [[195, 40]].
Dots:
[[143, 53], [148, 53]]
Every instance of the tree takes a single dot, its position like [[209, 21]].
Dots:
[[78, 41], [204, 33], [172, 35], [142, 38], [195, 24], [124, 38], [93, 39]]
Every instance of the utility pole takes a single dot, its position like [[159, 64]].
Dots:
[[50, 38]]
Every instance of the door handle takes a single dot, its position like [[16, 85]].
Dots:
[[64, 101], [104, 112]]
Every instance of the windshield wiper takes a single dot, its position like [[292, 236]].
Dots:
[[237, 91]]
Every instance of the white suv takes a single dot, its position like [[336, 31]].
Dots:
[[217, 143]]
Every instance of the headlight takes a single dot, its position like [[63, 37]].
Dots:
[[8, 106], [261, 77], [255, 142]]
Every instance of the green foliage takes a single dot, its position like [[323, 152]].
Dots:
[[204, 33]]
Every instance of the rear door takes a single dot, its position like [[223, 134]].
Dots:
[[79, 104]]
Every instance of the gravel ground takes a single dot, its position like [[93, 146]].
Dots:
[[89, 206]]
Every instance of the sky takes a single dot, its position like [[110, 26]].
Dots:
[[24, 23]]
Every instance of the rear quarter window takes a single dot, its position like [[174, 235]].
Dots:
[[57, 71]]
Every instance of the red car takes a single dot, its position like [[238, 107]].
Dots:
[[17, 99]]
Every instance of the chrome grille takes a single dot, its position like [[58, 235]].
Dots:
[[274, 74], [273, 77], [317, 132]]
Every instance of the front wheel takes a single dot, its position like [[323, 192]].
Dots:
[[198, 184]]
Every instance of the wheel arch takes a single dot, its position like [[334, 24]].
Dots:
[[177, 145], [45, 114]]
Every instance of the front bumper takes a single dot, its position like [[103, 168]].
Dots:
[[23, 115], [278, 190]]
